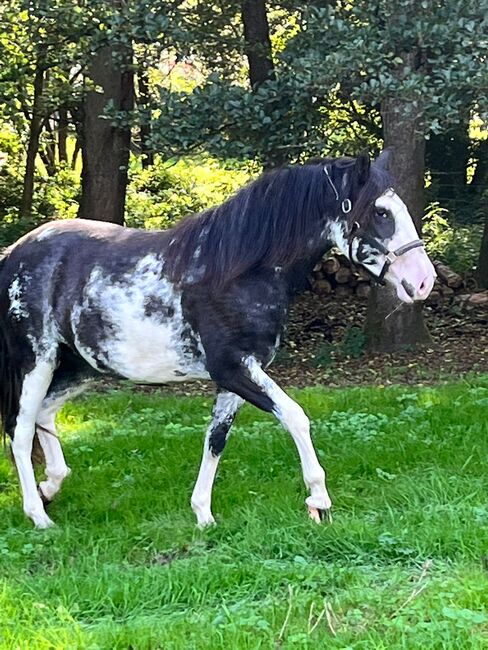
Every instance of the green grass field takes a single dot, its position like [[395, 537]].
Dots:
[[404, 565]]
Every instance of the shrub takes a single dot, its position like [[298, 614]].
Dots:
[[161, 195], [455, 245]]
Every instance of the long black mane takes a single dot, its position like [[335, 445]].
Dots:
[[269, 222]]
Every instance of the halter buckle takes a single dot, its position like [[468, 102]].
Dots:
[[346, 206]]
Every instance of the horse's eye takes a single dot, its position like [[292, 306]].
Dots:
[[382, 214]]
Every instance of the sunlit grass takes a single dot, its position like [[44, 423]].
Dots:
[[402, 566]]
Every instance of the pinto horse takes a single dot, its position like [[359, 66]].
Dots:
[[205, 299]]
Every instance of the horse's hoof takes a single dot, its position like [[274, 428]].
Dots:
[[42, 523], [319, 515], [44, 499], [206, 523]]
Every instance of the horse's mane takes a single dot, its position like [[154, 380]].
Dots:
[[265, 224]]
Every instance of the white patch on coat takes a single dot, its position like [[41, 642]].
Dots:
[[336, 232], [34, 388], [56, 468], [46, 232], [18, 308], [140, 347]]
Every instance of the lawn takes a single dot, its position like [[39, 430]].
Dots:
[[404, 564]]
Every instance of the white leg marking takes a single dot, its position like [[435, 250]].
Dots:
[[225, 408], [293, 418], [34, 388]]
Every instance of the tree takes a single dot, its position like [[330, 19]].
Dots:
[[105, 146], [423, 63], [258, 44]]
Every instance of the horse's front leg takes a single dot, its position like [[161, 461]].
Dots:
[[254, 385], [224, 410]]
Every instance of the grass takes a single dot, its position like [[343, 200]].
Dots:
[[402, 566]]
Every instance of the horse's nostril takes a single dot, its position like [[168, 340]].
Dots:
[[424, 287]]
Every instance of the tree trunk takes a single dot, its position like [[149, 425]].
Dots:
[[144, 102], [48, 151], [259, 55], [479, 182], [258, 43], [404, 326], [483, 258], [35, 129], [63, 135], [105, 148]]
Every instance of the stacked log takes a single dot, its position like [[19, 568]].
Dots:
[[335, 275]]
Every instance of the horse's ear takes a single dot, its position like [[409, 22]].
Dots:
[[385, 159], [361, 168]]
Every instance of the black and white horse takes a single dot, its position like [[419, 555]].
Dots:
[[207, 298]]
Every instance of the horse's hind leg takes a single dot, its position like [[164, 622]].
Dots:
[[34, 388], [71, 378], [56, 468]]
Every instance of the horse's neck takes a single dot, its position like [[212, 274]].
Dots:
[[299, 273]]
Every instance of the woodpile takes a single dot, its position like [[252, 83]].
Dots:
[[334, 274]]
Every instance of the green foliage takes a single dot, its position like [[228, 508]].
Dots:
[[161, 195], [428, 55], [455, 245], [56, 197], [351, 345], [400, 567]]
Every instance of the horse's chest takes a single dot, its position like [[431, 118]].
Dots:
[[137, 330]]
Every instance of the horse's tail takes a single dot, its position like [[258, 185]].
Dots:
[[11, 374], [10, 377]]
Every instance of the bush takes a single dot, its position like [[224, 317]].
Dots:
[[163, 194], [455, 245]]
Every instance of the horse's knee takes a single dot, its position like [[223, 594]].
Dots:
[[295, 419]]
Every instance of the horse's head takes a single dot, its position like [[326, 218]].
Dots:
[[375, 230]]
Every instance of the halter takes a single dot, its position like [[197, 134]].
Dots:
[[391, 256]]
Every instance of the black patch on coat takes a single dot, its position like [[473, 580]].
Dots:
[[154, 307]]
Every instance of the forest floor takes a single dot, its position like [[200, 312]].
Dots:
[[324, 344]]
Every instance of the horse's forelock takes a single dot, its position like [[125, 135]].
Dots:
[[364, 196]]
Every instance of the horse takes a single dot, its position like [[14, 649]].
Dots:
[[207, 298]]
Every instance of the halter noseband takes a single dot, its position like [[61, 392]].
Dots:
[[391, 256]]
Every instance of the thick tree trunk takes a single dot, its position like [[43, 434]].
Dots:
[[388, 329], [35, 129], [144, 102], [105, 148]]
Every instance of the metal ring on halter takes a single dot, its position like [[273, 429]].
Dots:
[[346, 206]]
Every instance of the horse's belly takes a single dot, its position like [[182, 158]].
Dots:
[[136, 328], [154, 353]]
